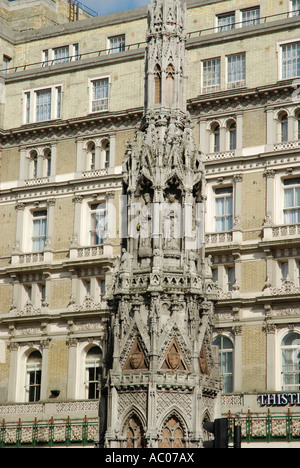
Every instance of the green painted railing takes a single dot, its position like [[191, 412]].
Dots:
[[51, 433], [266, 428]]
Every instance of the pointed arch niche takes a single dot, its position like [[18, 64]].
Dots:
[[133, 433], [173, 434], [157, 83], [170, 85]]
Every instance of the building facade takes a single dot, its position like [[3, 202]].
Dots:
[[71, 97]]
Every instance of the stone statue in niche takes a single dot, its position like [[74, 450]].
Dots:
[[126, 261], [145, 228], [171, 223]]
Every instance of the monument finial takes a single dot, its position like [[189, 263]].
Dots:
[[166, 61]]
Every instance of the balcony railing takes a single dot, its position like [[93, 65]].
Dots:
[[287, 230], [239, 25], [51, 433], [219, 237], [288, 145], [267, 428]]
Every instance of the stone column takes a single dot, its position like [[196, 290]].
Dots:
[[45, 344], [269, 175], [13, 372], [77, 217], [72, 368], [237, 363], [20, 207], [50, 220], [237, 209], [271, 359]]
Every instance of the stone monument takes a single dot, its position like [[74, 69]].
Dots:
[[161, 378]]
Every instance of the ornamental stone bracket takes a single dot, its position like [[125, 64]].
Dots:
[[288, 288]]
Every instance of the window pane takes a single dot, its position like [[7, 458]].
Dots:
[[250, 17], [295, 7], [98, 224], [288, 198], [58, 110], [220, 206], [43, 105], [236, 68], [100, 95], [291, 339], [61, 55], [117, 44], [291, 60], [297, 196], [226, 22], [211, 73], [225, 362]]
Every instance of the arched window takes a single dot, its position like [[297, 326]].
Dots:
[[172, 435], [93, 364], [232, 135], [297, 129], [215, 132], [47, 156], [33, 376], [134, 433], [33, 165], [290, 355], [225, 362], [106, 154], [283, 127], [91, 156], [170, 84], [157, 81]]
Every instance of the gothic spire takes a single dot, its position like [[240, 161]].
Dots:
[[166, 61]]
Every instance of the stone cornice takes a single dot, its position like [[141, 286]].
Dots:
[[72, 128], [242, 98]]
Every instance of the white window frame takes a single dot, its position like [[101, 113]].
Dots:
[[91, 364], [294, 207], [281, 335], [39, 218], [280, 45], [100, 211], [294, 12], [34, 367], [237, 83], [228, 352], [30, 103], [216, 86], [225, 27], [48, 55], [80, 372], [6, 63], [91, 93], [250, 22], [120, 47], [226, 195]]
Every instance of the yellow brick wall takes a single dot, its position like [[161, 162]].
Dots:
[[122, 139], [58, 367], [6, 298], [253, 276], [254, 128], [10, 165], [63, 223], [253, 358], [4, 372], [60, 292], [253, 188], [66, 157], [8, 221]]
